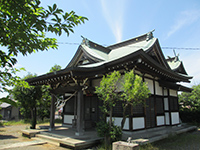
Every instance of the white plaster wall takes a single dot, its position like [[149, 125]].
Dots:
[[166, 104], [138, 123], [68, 119], [147, 75], [167, 118], [175, 117], [165, 92], [158, 89], [150, 84], [173, 92], [160, 120], [117, 121]]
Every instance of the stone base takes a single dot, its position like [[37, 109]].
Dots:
[[120, 145], [51, 129], [79, 133], [140, 141]]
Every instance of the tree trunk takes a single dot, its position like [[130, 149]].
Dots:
[[33, 118], [124, 116], [107, 140], [110, 120]]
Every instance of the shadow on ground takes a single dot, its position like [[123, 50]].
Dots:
[[3, 137]]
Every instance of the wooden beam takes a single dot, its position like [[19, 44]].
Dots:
[[67, 89]]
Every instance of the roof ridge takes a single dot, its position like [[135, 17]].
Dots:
[[94, 45], [146, 36]]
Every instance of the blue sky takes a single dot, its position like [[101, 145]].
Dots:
[[176, 24]]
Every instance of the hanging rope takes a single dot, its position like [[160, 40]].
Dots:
[[60, 102]]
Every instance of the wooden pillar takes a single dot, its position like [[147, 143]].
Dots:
[[52, 112], [169, 106], [80, 114]]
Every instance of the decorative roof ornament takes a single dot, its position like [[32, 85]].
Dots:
[[176, 56], [150, 35], [85, 41]]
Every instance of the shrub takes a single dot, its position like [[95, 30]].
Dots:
[[192, 116], [115, 132]]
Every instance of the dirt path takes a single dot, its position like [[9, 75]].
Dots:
[[12, 134]]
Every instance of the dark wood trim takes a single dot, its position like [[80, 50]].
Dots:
[[161, 114], [170, 117], [52, 112], [176, 124], [68, 113], [67, 89], [174, 111], [67, 123], [154, 89], [140, 129], [161, 125], [130, 123], [163, 92]]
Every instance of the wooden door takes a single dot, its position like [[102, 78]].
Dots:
[[150, 113], [90, 111]]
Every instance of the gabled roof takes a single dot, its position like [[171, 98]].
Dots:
[[92, 59], [146, 42], [176, 65]]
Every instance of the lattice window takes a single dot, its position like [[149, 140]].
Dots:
[[138, 110], [118, 109]]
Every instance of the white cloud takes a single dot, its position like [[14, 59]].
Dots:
[[113, 13], [185, 18]]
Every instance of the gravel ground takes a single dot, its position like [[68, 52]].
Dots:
[[12, 134]]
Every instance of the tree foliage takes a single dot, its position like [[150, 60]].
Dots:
[[28, 99], [135, 91], [190, 101], [108, 92], [55, 68], [23, 24], [190, 105]]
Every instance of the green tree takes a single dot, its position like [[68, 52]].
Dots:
[[55, 68], [135, 91], [190, 101], [28, 99], [109, 94], [23, 24]]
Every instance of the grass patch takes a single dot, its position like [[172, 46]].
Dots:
[[21, 122], [183, 141], [190, 140], [10, 123], [177, 142]]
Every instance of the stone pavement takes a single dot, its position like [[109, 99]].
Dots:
[[22, 144]]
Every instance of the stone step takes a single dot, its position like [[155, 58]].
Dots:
[[67, 141], [49, 139], [80, 144]]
